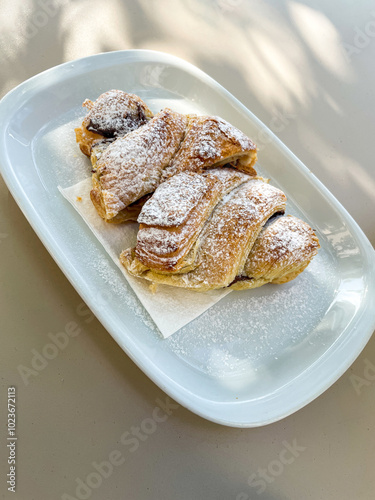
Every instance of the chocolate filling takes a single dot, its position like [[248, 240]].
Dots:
[[246, 278], [240, 278], [276, 214], [130, 121]]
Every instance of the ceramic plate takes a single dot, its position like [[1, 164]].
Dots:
[[257, 355]]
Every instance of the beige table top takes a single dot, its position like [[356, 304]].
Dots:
[[307, 70]]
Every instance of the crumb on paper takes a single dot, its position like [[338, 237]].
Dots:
[[153, 288], [79, 198]]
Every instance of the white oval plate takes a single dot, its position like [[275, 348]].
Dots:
[[256, 356]]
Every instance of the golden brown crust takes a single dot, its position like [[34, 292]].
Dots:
[[204, 228], [85, 138], [200, 142], [135, 165], [131, 166], [174, 216], [285, 243], [211, 141], [224, 242], [234, 248], [128, 214], [96, 198], [282, 251], [131, 212]]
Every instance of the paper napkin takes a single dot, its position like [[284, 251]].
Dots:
[[170, 308]]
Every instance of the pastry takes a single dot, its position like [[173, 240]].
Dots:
[[216, 230], [113, 114], [210, 141], [128, 214], [135, 165], [282, 251], [221, 250], [131, 166], [207, 221], [174, 216]]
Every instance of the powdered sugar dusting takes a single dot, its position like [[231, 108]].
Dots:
[[250, 329], [131, 166], [226, 175], [187, 200], [235, 134], [283, 243], [232, 229], [173, 201], [241, 332], [227, 237], [121, 289], [208, 140], [116, 113]]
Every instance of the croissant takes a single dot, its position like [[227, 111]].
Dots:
[[113, 114], [209, 231], [282, 251], [173, 218], [133, 166], [211, 141]]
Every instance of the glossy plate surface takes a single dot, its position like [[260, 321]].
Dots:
[[256, 356]]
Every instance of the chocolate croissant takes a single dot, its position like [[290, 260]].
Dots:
[[209, 231], [210, 142], [114, 114], [133, 166]]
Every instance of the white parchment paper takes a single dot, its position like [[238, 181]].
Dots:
[[171, 308]]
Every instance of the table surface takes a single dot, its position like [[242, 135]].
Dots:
[[306, 69]]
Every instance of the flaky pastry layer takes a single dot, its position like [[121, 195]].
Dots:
[[225, 241]]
